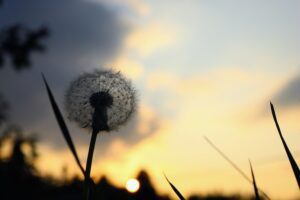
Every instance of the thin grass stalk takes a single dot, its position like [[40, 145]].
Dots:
[[287, 150], [63, 126], [179, 195], [228, 160], [234, 166], [254, 183]]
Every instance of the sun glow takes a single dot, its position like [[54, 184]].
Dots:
[[132, 185]]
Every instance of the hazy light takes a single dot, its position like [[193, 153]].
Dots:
[[132, 185]]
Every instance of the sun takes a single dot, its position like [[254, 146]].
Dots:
[[132, 185]]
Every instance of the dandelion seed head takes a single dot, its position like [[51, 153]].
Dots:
[[107, 91]]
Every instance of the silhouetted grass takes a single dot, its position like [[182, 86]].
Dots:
[[293, 163], [179, 195], [254, 183], [234, 166], [62, 125], [289, 154]]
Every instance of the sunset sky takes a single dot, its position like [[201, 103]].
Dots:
[[200, 68]]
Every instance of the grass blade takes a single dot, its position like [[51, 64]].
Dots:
[[289, 154], [228, 160], [254, 183], [234, 166], [179, 195], [62, 125]]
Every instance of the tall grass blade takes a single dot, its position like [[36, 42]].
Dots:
[[254, 183], [179, 195], [234, 165], [62, 125], [289, 154]]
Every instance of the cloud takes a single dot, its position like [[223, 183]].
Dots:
[[77, 27], [146, 40], [129, 67], [289, 94], [84, 35], [137, 6], [213, 81]]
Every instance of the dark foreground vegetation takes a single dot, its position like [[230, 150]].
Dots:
[[19, 178]]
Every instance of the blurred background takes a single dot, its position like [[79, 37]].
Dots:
[[201, 68]]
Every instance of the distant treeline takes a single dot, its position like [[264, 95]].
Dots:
[[19, 179]]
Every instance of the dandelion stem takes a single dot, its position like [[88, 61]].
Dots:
[[87, 180]]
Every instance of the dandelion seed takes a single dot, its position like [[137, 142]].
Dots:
[[102, 100]]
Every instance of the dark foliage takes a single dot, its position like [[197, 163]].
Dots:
[[19, 179], [217, 197], [146, 191], [17, 42]]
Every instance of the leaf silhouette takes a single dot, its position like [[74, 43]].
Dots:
[[254, 183], [179, 195], [62, 125], [289, 154]]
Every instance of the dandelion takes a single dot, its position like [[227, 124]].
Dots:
[[102, 100]]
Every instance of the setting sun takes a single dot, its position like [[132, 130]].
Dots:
[[132, 185]]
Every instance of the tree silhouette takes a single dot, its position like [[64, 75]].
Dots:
[[17, 42]]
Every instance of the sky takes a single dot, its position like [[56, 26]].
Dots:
[[200, 68]]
